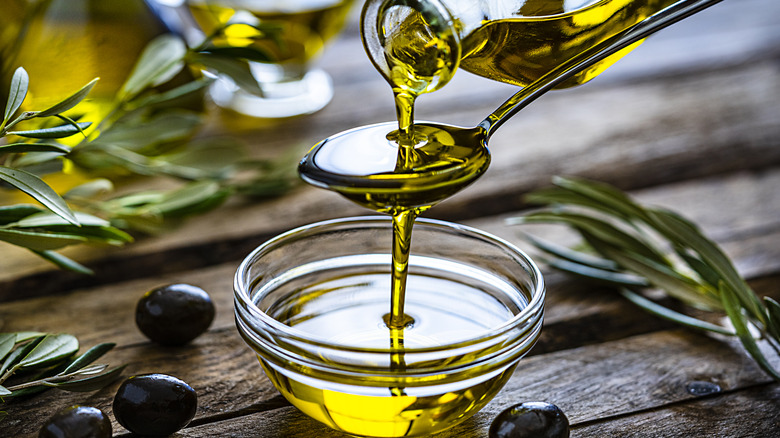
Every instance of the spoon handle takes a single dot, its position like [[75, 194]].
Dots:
[[652, 24]]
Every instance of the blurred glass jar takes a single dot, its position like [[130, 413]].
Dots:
[[64, 44], [290, 85]]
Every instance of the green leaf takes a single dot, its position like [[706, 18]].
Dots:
[[599, 275], [44, 219], [63, 262], [70, 101], [39, 190], [16, 355], [194, 197], [90, 189], [159, 62], [39, 240], [16, 94], [565, 253], [26, 336], [89, 356], [167, 126], [671, 315], [93, 230], [683, 232], [33, 147], [7, 343], [45, 161], [13, 213], [3, 392], [208, 158], [733, 309], [90, 383], [604, 231], [158, 99], [60, 131], [235, 69], [51, 350], [705, 271], [608, 198], [773, 312], [674, 283]]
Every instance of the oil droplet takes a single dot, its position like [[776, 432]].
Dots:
[[698, 387]]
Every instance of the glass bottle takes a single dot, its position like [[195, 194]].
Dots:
[[512, 41], [64, 44]]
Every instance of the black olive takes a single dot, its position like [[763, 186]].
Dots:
[[530, 420], [154, 404], [174, 314], [77, 422]]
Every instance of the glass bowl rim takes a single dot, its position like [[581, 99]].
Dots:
[[534, 307]]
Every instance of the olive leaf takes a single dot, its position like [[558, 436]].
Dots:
[[159, 62], [733, 309], [7, 343], [172, 95], [634, 247], [671, 315], [39, 190], [12, 359], [69, 102], [40, 240], [88, 380], [61, 131], [89, 189], [45, 218], [34, 147], [13, 213], [62, 261], [53, 348], [18, 91], [89, 356], [51, 355], [773, 316]]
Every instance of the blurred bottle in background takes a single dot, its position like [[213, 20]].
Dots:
[[290, 84], [64, 44]]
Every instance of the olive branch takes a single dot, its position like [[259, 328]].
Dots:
[[145, 133], [34, 362], [635, 248]]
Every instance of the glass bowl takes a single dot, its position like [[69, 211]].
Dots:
[[311, 303]]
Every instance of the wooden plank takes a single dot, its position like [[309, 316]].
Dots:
[[595, 383], [218, 362], [753, 412]]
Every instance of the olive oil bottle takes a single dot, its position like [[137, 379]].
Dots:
[[512, 41], [541, 34], [304, 26], [64, 44]]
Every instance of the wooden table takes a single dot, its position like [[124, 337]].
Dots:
[[690, 121]]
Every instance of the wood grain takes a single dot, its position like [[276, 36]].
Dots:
[[587, 331]]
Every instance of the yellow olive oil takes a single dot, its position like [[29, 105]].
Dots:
[[347, 309], [304, 26], [542, 34]]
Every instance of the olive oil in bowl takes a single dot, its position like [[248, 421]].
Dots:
[[312, 304]]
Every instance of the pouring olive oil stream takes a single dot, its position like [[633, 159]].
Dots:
[[404, 170]]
